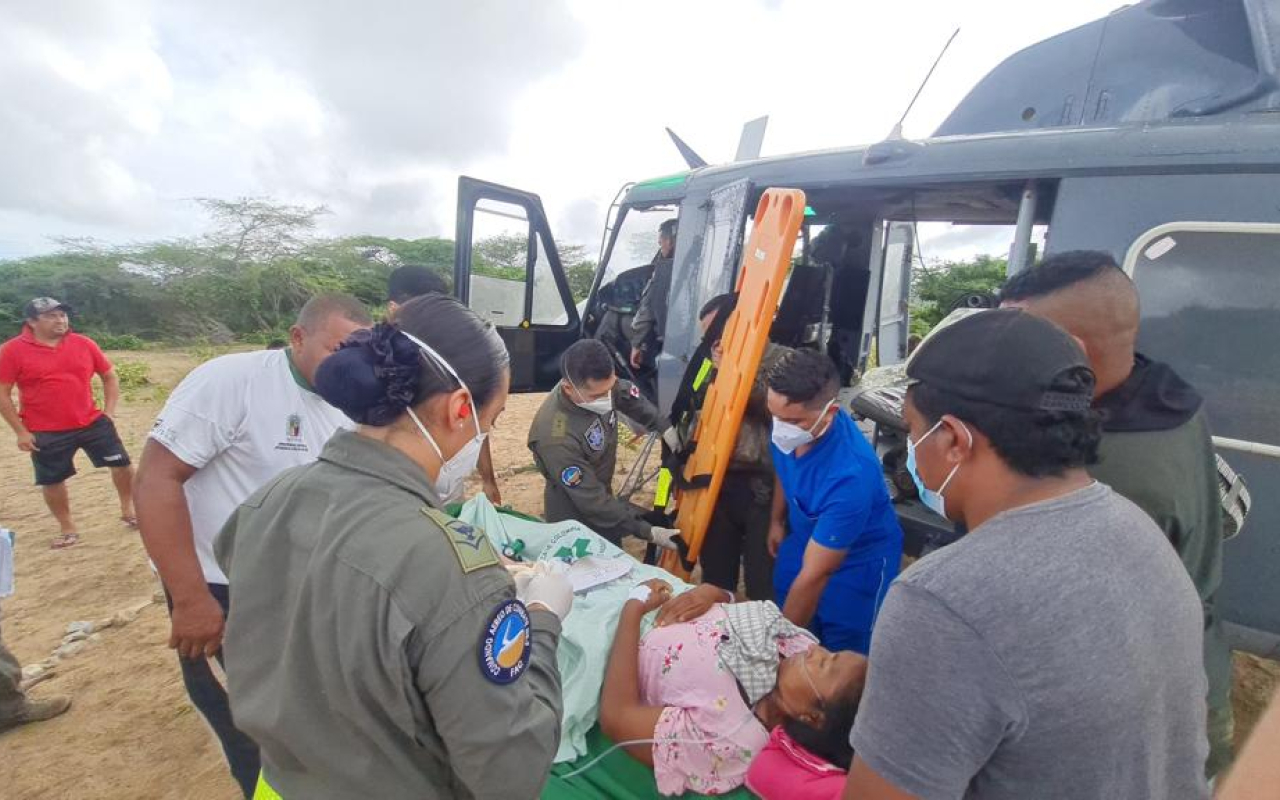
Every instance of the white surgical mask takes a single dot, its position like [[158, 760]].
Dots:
[[601, 405], [787, 436], [453, 471], [934, 501]]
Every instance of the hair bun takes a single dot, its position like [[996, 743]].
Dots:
[[373, 377]]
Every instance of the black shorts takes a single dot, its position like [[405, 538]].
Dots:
[[55, 460]]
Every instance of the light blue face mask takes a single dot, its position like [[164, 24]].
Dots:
[[934, 501]]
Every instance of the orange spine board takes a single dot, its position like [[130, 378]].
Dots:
[[765, 261]]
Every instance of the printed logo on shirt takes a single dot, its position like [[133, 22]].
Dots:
[[595, 435], [293, 436], [571, 476], [579, 548], [634, 391], [506, 644]]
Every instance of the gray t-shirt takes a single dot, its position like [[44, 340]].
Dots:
[[1054, 652]]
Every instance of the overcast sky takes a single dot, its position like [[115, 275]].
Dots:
[[116, 114]]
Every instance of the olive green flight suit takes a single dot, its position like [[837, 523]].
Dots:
[[368, 649], [577, 450]]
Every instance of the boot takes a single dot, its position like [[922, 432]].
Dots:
[[37, 711]]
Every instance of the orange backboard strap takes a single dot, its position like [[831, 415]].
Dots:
[[765, 261]]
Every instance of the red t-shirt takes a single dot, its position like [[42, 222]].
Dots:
[[53, 382]]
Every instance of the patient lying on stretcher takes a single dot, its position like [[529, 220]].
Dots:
[[712, 679]]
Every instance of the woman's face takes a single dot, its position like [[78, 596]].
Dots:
[[809, 680]]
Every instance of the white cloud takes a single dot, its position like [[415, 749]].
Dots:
[[117, 113]]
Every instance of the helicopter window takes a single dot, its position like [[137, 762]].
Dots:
[[1211, 308], [637, 240], [499, 259], [548, 307]]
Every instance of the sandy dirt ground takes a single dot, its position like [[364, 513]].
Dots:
[[131, 732]]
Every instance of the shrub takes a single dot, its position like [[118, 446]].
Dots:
[[124, 341], [133, 374]]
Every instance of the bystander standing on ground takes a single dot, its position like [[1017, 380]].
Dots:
[[1156, 447], [233, 424], [53, 367], [16, 708], [1053, 652]]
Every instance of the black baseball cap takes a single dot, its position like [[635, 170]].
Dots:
[[414, 280], [1003, 357], [43, 305]]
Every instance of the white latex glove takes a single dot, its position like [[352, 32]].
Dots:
[[663, 537], [672, 439], [520, 574], [543, 587]]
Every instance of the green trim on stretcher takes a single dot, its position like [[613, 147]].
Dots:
[[454, 509], [617, 775]]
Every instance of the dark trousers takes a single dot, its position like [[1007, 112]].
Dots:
[[210, 698], [739, 535]]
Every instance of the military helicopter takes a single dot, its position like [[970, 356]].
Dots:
[[1152, 133]]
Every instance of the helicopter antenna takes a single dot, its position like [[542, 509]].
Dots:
[[896, 133]]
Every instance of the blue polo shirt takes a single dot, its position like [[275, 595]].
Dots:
[[836, 496]]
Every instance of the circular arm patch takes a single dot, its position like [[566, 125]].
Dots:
[[571, 476], [506, 643]]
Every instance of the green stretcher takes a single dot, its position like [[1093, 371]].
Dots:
[[617, 776]]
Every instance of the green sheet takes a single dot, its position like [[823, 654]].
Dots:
[[617, 776]]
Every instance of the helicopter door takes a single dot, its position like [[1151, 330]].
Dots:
[[507, 270], [892, 323]]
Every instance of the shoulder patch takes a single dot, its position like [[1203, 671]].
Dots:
[[571, 476], [559, 426], [595, 435], [470, 545], [634, 391], [506, 643]]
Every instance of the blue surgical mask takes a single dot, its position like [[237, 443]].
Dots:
[[934, 501]]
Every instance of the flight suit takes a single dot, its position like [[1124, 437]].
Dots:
[[650, 323], [577, 450], [375, 647]]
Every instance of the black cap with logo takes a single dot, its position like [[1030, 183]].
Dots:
[[43, 305], [1003, 357]]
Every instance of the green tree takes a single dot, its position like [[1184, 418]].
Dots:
[[246, 277], [257, 230], [579, 270], [503, 255], [937, 288]]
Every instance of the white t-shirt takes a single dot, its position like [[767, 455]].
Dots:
[[240, 420]]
